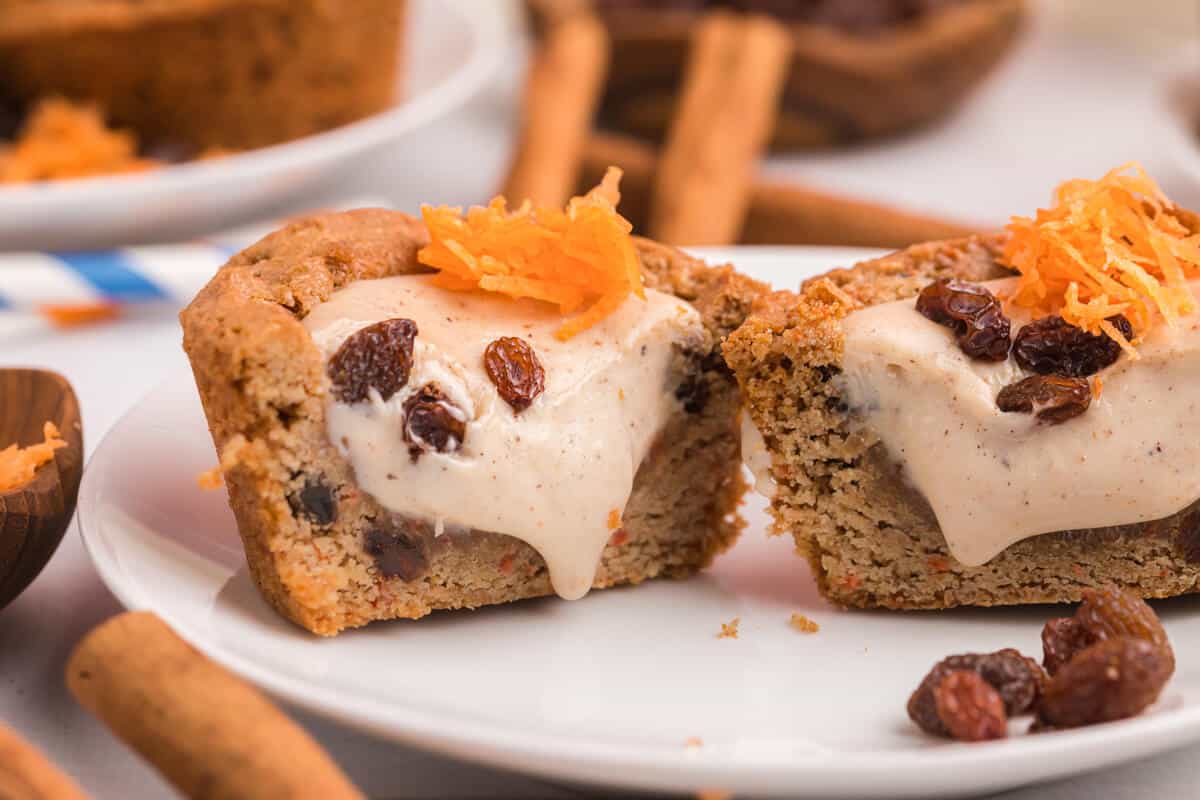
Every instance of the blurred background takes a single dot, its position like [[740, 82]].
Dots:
[[1086, 86], [963, 110]]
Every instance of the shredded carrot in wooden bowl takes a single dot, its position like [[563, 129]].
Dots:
[[1107, 247], [580, 258], [18, 464]]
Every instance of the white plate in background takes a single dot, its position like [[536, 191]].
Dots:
[[452, 48], [1180, 98], [610, 689]]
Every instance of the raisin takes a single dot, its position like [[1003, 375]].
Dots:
[[1053, 346], [922, 705], [1112, 679], [515, 370], [1109, 613], [316, 502], [431, 422], [377, 357], [972, 312], [1052, 398], [1062, 638], [1017, 679], [969, 707], [399, 552]]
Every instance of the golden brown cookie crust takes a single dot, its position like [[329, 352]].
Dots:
[[263, 386], [870, 539]]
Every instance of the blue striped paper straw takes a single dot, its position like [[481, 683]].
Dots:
[[32, 281]]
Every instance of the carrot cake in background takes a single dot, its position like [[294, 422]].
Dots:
[[996, 420], [459, 411], [182, 77]]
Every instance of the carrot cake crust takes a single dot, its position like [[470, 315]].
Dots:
[[871, 540], [310, 534]]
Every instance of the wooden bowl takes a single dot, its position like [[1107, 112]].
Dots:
[[842, 87], [34, 517]]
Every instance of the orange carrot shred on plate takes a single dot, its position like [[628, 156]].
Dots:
[[578, 258], [1112, 246]]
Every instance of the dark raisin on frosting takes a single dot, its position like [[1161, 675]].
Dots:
[[431, 422], [972, 312], [1053, 346], [515, 371], [1051, 398], [377, 357]]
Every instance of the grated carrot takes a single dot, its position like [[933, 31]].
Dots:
[[77, 314], [64, 140], [18, 464], [580, 258], [1112, 246]]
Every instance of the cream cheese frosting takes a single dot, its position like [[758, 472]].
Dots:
[[757, 458], [995, 478], [558, 474]]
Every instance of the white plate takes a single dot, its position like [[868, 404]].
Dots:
[[608, 689], [453, 47]]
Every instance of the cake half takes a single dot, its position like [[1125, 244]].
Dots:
[[392, 447], [918, 470]]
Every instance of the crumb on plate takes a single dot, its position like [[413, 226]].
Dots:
[[803, 623], [211, 479]]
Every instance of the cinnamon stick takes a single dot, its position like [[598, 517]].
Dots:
[[785, 214], [26, 773], [779, 213], [206, 731], [727, 109], [562, 91]]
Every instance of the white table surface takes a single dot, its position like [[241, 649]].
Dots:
[[1063, 106]]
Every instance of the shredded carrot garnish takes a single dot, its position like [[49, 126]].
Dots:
[[70, 316], [1107, 247], [64, 140], [580, 258], [18, 464]]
